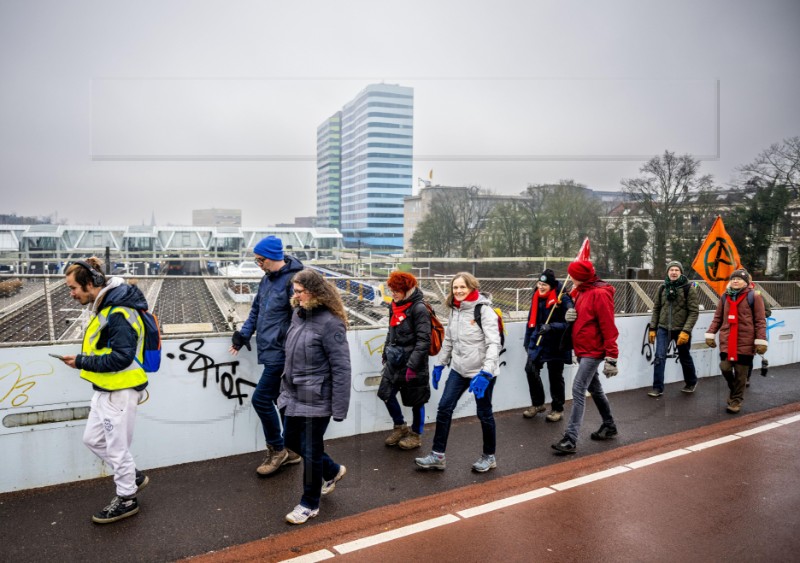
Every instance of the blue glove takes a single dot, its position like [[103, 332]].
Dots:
[[544, 328], [480, 383], [437, 375]]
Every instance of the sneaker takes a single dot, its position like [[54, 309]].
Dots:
[[565, 446], [301, 514], [604, 432], [689, 388], [120, 507], [533, 411], [655, 393], [273, 461], [734, 408], [291, 458], [328, 486], [142, 481], [410, 441], [400, 431], [484, 463], [554, 416], [432, 461]]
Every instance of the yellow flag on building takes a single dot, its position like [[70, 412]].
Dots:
[[717, 258]]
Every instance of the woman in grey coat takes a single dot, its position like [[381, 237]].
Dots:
[[315, 385], [471, 348]]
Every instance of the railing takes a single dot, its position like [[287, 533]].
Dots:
[[37, 309]]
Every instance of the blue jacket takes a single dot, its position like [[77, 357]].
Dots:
[[271, 313], [316, 376], [550, 346]]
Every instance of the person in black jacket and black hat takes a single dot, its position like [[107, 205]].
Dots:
[[543, 343]]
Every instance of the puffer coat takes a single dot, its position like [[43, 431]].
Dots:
[[316, 378], [467, 347]]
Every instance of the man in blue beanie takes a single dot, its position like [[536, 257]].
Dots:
[[269, 318]]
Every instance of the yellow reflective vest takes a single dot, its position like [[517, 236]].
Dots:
[[133, 375]]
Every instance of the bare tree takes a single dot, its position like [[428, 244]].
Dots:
[[435, 232], [779, 165], [666, 185], [469, 213], [507, 228]]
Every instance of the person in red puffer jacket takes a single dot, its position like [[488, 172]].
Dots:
[[594, 339]]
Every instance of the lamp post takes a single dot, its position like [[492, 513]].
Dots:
[[517, 290]]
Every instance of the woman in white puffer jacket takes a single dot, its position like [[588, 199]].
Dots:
[[473, 352]]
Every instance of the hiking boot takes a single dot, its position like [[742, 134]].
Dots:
[[554, 416], [291, 458], [484, 463], [533, 411], [689, 388], [301, 514], [273, 461], [605, 432], [120, 507], [411, 441], [734, 408], [400, 431], [655, 393], [565, 446], [328, 486], [432, 461], [142, 481]]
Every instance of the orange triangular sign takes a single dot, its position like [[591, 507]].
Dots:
[[717, 258]]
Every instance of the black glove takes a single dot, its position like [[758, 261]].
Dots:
[[238, 341], [337, 419], [544, 328]]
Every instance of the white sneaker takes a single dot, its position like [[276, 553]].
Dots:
[[328, 486], [301, 514]]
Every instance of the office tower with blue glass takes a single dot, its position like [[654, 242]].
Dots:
[[376, 153]]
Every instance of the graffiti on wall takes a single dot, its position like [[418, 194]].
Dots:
[[15, 384], [224, 373], [375, 344], [648, 350]]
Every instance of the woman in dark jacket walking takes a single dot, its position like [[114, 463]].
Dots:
[[315, 385], [405, 360], [546, 322]]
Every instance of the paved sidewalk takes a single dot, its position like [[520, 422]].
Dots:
[[198, 508]]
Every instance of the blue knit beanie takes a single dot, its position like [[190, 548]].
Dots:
[[270, 247]]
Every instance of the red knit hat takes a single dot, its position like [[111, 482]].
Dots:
[[401, 281], [581, 270]]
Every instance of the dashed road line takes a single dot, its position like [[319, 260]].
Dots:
[[478, 510]]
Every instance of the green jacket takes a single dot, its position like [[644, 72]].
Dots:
[[680, 314]]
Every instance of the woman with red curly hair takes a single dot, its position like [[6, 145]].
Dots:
[[405, 360]]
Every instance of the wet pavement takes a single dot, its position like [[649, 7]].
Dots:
[[197, 508]]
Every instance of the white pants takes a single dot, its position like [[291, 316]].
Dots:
[[109, 433]]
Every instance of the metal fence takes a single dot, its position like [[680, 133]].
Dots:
[[39, 310]]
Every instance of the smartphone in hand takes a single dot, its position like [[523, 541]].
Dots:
[[56, 356]]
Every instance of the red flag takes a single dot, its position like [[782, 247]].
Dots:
[[717, 258], [585, 251]]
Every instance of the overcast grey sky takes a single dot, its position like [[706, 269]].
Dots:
[[110, 111]]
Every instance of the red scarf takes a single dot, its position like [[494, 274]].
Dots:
[[733, 322], [473, 296], [398, 313], [551, 299]]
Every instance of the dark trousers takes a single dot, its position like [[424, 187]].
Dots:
[[663, 338], [555, 373], [735, 374], [264, 402], [304, 435], [453, 389]]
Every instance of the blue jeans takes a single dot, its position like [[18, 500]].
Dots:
[[587, 378], [453, 389], [264, 399], [663, 339], [304, 435], [418, 414]]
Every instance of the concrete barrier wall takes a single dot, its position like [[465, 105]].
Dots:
[[199, 402]]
